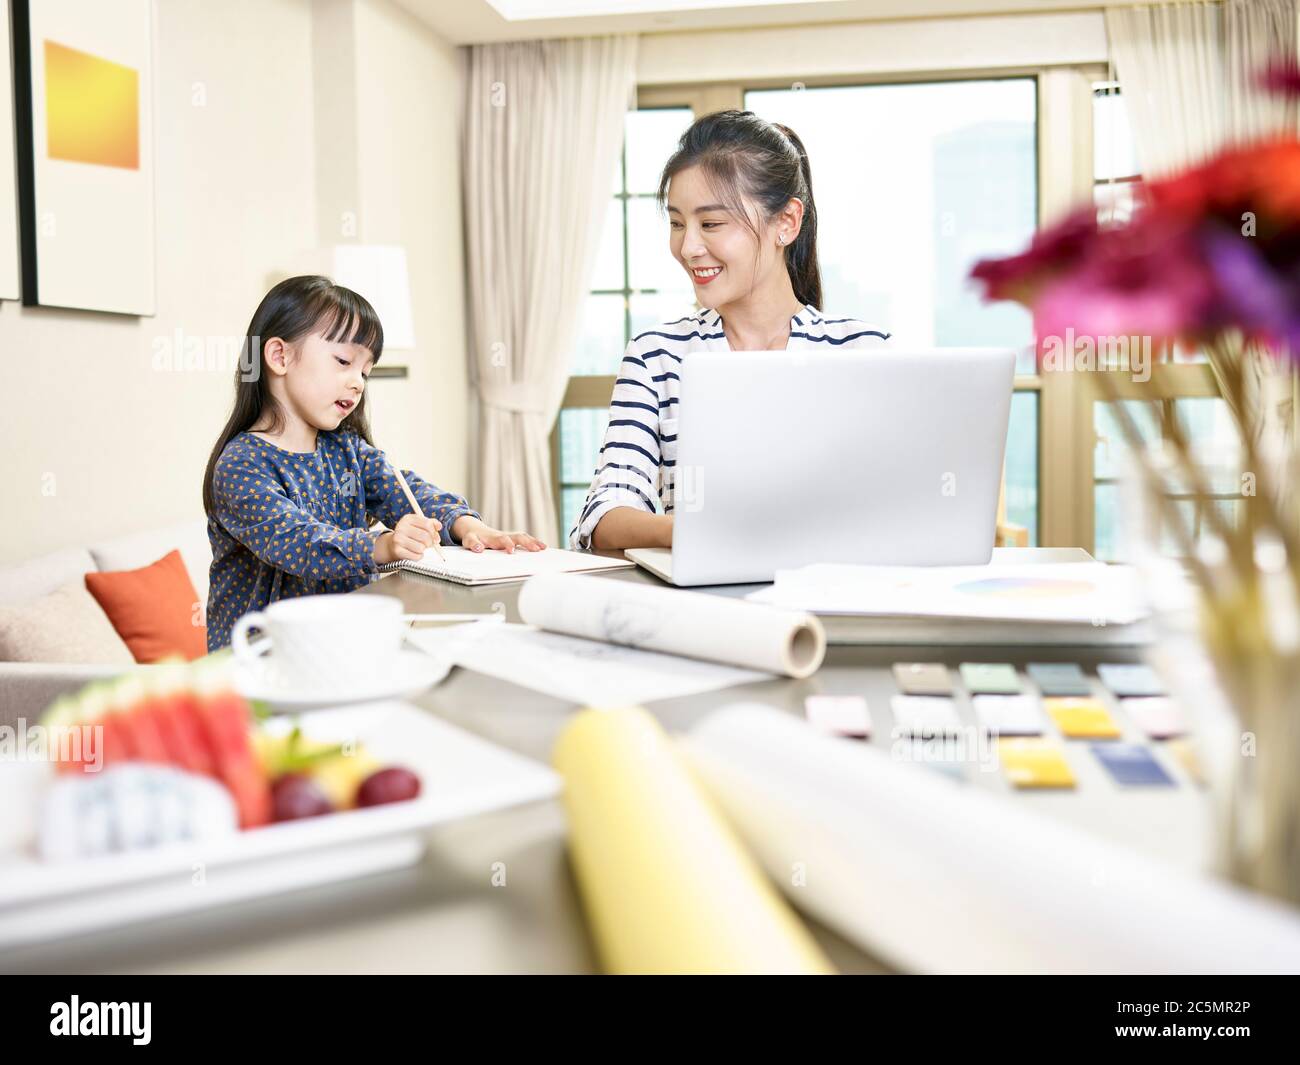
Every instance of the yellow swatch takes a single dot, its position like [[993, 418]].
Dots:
[[92, 108], [1034, 763], [1082, 718], [666, 885]]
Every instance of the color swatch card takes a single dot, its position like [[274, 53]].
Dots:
[[1008, 715], [1125, 679], [1081, 719], [923, 678], [943, 754], [839, 715], [1059, 678], [925, 715], [1035, 763], [990, 678], [1132, 765], [1156, 715]]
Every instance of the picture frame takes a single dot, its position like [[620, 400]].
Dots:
[[83, 77], [10, 273]]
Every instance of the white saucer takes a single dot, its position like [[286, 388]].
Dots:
[[415, 672]]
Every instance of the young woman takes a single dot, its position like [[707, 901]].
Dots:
[[742, 224], [294, 482]]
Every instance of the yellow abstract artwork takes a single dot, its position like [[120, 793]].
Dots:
[[92, 108]]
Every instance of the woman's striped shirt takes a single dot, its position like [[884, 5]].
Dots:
[[638, 459]]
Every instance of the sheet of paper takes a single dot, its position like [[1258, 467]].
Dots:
[[587, 672], [1059, 592], [487, 567]]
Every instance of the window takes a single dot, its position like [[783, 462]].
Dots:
[[914, 183], [1181, 388], [635, 285]]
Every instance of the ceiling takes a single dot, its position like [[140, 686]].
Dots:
[[478, 21]]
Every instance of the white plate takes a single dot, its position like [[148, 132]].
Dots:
[[415, 672], [461, 775]]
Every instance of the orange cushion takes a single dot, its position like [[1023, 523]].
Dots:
[[154, 609]]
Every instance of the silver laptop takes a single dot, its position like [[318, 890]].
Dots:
[[787, 458]]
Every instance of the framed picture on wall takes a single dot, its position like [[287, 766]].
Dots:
[[84, 116], [8, 166]]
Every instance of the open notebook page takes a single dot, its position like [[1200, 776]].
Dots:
[[488, 567]]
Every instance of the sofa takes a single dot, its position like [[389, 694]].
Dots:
[[26, 687]]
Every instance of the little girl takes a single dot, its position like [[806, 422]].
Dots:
[[295, 482]]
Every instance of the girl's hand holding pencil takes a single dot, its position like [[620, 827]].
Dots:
[[410, 538]]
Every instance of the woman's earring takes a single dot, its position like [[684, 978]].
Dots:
[[781, 239]]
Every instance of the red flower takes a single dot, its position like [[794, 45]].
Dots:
[[1052, 251], [1262, 180]]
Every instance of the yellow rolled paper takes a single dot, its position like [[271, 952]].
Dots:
[[667, 886]]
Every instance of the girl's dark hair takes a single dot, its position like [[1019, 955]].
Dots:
[[296, 307], [746, 157]]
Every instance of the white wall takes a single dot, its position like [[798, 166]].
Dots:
[[408, 120], [96, 441], [873, 48]]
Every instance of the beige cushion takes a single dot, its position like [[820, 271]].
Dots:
[[65, 626], [141, 549], [42, 575]]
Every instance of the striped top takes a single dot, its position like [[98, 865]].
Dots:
[[638, 459]]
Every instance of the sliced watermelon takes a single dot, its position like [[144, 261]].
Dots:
[[182, 715], [172, 711], [132, 707], [70, 744], [101, 741], [226, 720]]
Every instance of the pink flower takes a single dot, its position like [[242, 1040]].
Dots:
[[1051, 252], [1150, 282]]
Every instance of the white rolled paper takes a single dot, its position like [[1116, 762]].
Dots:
[[933, 876], [693, 624]]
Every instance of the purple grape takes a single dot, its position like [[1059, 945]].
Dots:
[[295, 795], [388, 785]]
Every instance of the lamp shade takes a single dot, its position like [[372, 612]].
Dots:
[[378, 272]]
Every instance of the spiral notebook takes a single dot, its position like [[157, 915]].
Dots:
[[497, 567]]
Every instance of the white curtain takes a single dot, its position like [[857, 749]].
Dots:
[[1188, 73], [1256, 33], [543, 132], [1169, 61]]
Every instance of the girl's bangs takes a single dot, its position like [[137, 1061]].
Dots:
[[349, 319]]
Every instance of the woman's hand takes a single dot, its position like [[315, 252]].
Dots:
[[476, 536], [409, 539]]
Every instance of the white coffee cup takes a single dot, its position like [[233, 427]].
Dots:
[[324, 641]]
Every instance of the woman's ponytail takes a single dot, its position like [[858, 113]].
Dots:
[[801, 256]]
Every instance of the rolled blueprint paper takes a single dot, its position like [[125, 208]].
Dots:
[[666, 885], [694, 624], [934, 876]]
